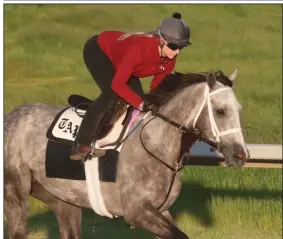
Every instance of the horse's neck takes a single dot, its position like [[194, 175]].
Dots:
[[164, 138], [184, 106]]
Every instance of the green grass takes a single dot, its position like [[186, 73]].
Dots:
[[227, 203], [43, 63]]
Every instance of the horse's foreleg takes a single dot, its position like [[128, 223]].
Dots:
[[169, 217], [68, 216], [151, 219], [16, 193]]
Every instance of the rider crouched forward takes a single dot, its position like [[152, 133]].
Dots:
[[116, 60]]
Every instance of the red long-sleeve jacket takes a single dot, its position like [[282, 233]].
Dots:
[[134, 56]]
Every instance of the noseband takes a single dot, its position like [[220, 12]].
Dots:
[[215, 131]]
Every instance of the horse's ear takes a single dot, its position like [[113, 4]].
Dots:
[[233, 75], [211, 80]]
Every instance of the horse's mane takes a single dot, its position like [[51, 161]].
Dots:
[[175, 82]]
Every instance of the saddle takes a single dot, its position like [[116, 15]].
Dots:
[[62, 132], [112, 115]]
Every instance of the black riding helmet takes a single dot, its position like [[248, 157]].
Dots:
[[174, 30]]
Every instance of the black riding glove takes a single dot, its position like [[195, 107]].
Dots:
[[146, 106]]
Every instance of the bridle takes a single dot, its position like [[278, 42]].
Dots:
[[215, 131], [216, 144]]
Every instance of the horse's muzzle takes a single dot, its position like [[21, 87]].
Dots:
[[237, 157]]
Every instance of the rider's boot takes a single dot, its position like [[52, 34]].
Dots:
[[91, 126], [89, 130]]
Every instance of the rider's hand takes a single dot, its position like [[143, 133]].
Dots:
[[146, 106]]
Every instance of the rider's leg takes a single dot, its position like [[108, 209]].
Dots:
[[89, 128], [102, 71]]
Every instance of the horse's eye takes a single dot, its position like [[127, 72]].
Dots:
[[220, 112]]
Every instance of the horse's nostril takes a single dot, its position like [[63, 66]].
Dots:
[[238, 156]]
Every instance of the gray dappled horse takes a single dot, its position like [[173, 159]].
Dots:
[[148, 175]]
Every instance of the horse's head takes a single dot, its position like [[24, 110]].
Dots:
[[218, 117], [205, 102]]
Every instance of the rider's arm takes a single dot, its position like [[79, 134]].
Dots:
[[131, 59]]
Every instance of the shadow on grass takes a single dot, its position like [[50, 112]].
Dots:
[[194, 200]]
